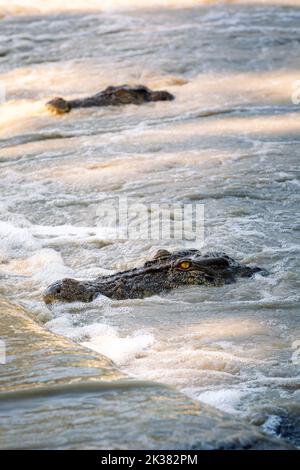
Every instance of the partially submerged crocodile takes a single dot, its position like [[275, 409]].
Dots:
[[164, 272], [111, 96]]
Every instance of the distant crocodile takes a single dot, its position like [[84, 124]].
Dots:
[[164, 272], [111, 96]]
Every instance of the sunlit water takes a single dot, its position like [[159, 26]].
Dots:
[[230, 141]]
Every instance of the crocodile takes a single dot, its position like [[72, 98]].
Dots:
[[111, 96], [164, 272]]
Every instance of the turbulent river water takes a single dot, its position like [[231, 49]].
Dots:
[[230, 141]]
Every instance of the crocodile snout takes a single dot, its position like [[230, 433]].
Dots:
[[58, 106], [52, 292]]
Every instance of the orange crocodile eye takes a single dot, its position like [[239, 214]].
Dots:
[[185, 265]]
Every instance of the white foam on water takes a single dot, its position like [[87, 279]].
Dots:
[[47, 266], [121, 350], [14, 113], [295, 358], [104, 339], [271, 425], [64, 234], [43, 267], [16, 240], [225, 399]]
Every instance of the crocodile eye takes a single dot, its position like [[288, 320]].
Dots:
[[185, 265]]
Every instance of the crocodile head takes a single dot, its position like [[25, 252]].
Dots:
[[69, 290], [58, 106], [166, 271]]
